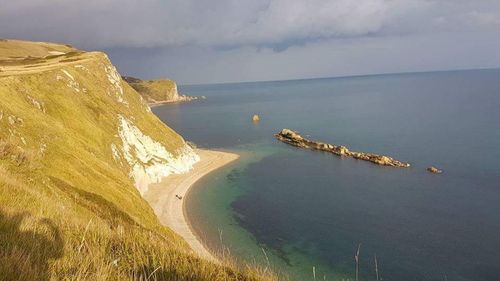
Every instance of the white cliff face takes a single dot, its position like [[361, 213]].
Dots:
[[116, 82], [175, 92], [149, 160]]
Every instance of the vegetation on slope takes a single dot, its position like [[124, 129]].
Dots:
[[154, 90], [68, 207], [17, 49], [157, 91]]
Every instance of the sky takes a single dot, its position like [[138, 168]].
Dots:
[[217, 41]]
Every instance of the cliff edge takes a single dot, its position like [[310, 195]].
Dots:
[[78, 147], [157, 91]]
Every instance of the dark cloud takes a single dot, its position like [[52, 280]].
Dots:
[[234, 31], [155, 23]]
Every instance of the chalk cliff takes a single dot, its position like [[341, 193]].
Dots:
[[78, 148], [157, 91]]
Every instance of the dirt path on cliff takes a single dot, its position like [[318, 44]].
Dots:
[[10, 67]]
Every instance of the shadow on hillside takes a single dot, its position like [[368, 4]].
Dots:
[[95, 203], [25, 254]]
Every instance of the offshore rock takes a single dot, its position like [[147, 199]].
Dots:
[[293, 138], [434, 170]]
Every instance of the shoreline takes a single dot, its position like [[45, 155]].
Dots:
[[180, 100], [171, 211], [158, 103]]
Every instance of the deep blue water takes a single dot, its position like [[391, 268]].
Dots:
[[307, 208]]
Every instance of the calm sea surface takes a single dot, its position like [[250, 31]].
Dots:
[[297, 209]]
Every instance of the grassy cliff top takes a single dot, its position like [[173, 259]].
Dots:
[[154, 90], [68, 205], [12, 49]]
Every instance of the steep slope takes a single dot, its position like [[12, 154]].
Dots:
[[78, 146], [157, 91]]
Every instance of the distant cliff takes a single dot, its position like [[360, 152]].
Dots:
[[78, 147], [157, 91]]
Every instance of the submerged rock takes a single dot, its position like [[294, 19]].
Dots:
[[434, 170], [293, 138]]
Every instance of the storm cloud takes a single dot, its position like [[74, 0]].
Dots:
[[229, 40]]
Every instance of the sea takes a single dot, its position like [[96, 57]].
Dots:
[[312, 215]]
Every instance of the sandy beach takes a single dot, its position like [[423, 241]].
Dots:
[[171, 210]]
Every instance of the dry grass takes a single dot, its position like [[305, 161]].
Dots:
[[18, 48], [154, 90], [57, 231], [17, 155], [41, 247], [6, 148], [68, 210]]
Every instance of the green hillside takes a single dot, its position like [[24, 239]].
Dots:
[[77, 148], [154, 90]]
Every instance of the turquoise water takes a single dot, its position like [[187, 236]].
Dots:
[[296, 209]]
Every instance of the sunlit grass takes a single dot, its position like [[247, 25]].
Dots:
[[68, 209], [154, 90]]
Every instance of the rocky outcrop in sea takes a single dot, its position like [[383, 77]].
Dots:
[[434, 170], [293, 138]]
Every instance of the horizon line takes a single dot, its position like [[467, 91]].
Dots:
[[340, 76]]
